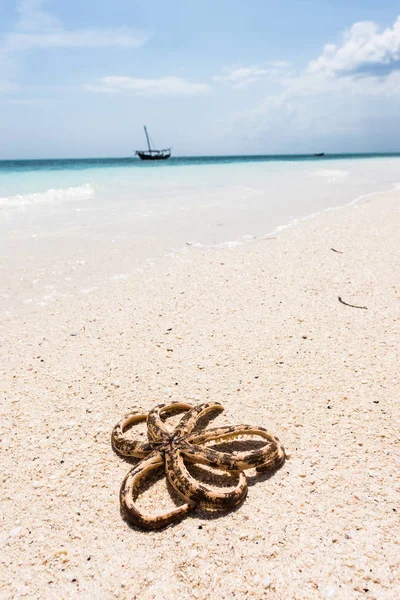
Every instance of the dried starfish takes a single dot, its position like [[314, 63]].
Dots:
[[172, 448]]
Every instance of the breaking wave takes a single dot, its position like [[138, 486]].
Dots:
[[80, 192]]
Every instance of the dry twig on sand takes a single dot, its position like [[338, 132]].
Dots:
[[352, 305]]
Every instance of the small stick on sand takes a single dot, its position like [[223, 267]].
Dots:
[[338, 251], [352, 305]]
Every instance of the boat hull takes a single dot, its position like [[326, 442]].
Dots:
[[153, 156]]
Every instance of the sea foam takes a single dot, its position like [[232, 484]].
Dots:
[[80, 192]]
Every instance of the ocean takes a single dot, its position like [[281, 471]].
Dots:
[[123, 213]]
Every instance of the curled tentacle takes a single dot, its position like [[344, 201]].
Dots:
[[129, 492], [269, 457], [205, 497], [124, 445], [157, 429], [189, 421], [185, 444]]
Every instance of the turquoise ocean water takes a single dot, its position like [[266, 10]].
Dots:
[[17, 175], [208, 200], [108, 217], [260, 191], [102, 182]]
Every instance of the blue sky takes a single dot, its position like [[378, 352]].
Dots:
[[207, 77]]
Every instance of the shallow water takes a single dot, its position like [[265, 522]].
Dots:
[[245, 195], [110, 216]]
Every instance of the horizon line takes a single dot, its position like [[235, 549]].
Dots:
[[199, 156]]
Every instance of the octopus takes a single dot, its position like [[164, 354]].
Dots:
[[186, 443]]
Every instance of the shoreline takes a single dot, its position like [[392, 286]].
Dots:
[[74, 275], [259, 328]]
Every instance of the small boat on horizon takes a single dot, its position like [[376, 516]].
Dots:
[[320, 154], [151, 154]]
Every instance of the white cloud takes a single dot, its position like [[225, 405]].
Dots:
[[240, 77], [32, 16], [164, 86], [7, 86], [84, 38], [347, 89], [364, 49], [38, 28]]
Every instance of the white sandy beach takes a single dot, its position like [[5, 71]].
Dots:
[[259, 328]]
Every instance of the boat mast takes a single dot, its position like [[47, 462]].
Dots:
[[147, 138]]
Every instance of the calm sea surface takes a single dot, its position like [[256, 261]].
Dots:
[[251, 195], [107, 217]]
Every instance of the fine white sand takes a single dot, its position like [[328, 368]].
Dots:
[[259, 328]]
